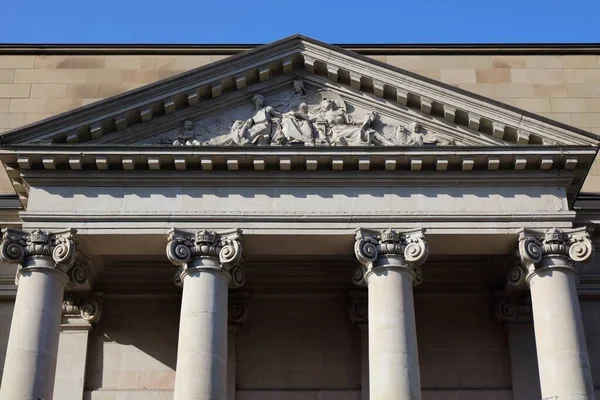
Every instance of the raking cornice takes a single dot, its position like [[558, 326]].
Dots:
[[199, 87]]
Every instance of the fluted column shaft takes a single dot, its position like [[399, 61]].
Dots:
[[562, 353], [208, 261], [31, 354], [390, 269]]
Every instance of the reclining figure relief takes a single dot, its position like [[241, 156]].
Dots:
[[298, 117]]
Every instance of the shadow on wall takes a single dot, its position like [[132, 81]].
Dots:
[[135, 347], [6, 312], [302, 192]]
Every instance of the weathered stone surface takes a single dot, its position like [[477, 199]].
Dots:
[[147, 69]]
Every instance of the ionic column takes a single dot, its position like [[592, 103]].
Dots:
[[548, 261], [209, 262], [390, 266], [45, 259]]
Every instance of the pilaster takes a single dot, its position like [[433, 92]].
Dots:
[[514, 310], [237, 316], [79, 315], [358, 311]]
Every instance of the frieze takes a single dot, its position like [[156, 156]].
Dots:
[[301, 117]]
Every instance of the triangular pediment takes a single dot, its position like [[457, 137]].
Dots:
[[349, 100], [321, 108]]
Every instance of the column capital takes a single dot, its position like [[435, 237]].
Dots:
[[21, 247], [88, 310], [553, 249], [514, 308], [207, 249], [237, 313], [389, 249], [358, 307]]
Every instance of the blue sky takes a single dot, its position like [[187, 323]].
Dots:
[[333, 21]]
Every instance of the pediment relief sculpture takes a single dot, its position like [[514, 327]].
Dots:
[[299, 117]]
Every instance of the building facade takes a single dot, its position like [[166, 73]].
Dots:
[[300, 221]]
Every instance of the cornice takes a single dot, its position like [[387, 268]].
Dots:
[[107, 157], [361, 48], [159, 165]]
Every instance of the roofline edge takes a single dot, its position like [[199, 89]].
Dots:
[[367, 48]]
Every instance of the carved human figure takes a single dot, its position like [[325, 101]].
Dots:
[[297, 127], [414, 135], [352, 134], [417, 136], [262, 128], [187, 137], [238, 135], [293, 100], [296, 119]]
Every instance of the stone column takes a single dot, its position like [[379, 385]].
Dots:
[[390, 266], [209, 262], [238, 315], [548, 264], [78, 318], [45, 259], [358, 311]]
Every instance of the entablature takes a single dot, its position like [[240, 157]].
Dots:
[[191, 166]]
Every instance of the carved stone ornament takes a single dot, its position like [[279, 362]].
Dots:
[[90, 309], [207, 249], [18, 246], [533, 249], [516, 310], [238, 308], [358, 307], [389, 249], [301, 117]]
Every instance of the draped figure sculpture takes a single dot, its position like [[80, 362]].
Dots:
[[297, 127], [256, 130], [302, 117], [343, 130]]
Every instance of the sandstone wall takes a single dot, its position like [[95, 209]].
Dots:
[[6, 312], [300, 347], [565, 88]]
